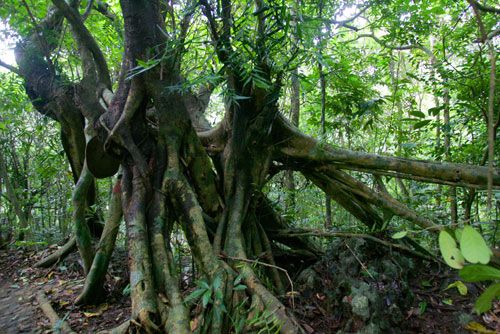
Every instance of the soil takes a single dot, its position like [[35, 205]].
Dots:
[[433, 309], [20, 282]]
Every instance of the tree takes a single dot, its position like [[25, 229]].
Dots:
[[174, 169]]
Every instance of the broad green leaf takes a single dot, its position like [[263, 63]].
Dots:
[[399, 235], [461, 287], [434, 111], [417, 113], [473, 246], [484, 302], [479, 272], [421, 124], [458, 234], [449, 251]]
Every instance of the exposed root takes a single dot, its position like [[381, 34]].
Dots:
[[58, 255], [144, 306], [122, 329], [58, 325], [269, 302]]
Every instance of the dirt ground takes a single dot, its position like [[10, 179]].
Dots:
[[20, 282], [434, 310]]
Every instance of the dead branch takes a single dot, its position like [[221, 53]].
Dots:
[[325, 234]]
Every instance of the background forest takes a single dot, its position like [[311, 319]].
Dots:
[[411, 79]]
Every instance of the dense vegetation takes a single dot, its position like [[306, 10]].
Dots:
[[251, 130]]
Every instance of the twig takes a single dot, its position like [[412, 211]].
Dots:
[[484, 8], [361, 263], [265, 265]]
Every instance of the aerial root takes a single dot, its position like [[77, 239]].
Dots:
[[93, 289]]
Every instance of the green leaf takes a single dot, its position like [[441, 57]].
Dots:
[[484, 302], [461, 287], [425, 283], [479, 272], [448, 301], [417, 113], [434, 111], [240, 287], [473, 246], [458, 233], [206, 298], [195, 295], [204, 284], [216, 283], [422, 306], [399, 235], [421, 124], [449, 250]]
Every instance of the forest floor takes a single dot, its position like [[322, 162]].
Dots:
[[432, 310]]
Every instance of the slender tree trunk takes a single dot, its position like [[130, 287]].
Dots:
[[294, 118], [452, 192], [14, 199], [322, 82]]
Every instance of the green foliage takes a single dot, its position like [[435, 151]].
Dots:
[[484, 302], [479, 272], [473, 248], [264, 322], [461, 287], [449, 250], [211, 297]]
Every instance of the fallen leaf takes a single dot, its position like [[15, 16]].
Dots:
[[478, 328]]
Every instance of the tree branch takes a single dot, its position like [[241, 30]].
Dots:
[[297, 148], [88, 9], [480, 24], [355, 16], [11, 68], [484, 8], [327, 234], [86, 40]]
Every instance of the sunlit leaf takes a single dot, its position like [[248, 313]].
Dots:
[[449, 251], [473, 246], [461, 287], [399, 235]]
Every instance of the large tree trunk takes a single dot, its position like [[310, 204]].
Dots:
[[207, 182]]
